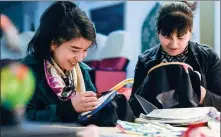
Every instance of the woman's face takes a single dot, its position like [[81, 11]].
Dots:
[[68, 54], [174, 45]]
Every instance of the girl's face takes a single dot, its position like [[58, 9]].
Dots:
[[68, 54], [174, 45]]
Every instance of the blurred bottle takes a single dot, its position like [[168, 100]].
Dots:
[[17, 86]]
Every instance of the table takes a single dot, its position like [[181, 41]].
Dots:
[[55, 130]]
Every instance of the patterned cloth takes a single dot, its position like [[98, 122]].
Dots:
[[178, 58], [64, 85], [150, 129]]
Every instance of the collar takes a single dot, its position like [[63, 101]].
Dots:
[[165, 57], [41, 81]]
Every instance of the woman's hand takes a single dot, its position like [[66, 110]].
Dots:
[[85, 101], [89, 131], [203, 94]]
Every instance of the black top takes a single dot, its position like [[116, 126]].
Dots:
[[201, 57]]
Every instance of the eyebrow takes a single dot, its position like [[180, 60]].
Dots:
[[75, 47], [182, 36], [78, 47]]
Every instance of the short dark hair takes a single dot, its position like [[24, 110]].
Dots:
[[175, 17], [61, 22]]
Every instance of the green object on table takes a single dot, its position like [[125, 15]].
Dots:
[[17, 85]]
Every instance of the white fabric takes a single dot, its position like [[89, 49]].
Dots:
[[118, 44]]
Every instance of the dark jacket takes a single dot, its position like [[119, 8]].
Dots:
[[45, 106], [202, 58]]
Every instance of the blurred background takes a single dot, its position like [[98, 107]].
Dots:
[[125, 29]]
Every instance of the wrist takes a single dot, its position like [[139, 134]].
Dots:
[[203, 94]]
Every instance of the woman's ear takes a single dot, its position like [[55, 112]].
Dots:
[[53, 46]]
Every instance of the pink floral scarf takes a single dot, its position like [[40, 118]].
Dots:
[[64, 85]]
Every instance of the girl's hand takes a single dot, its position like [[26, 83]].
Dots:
[[85, 101]]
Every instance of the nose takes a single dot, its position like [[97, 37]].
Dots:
[[79, 57], [174, 44]]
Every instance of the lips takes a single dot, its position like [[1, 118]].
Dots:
[[172, 49], [72, 63]]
